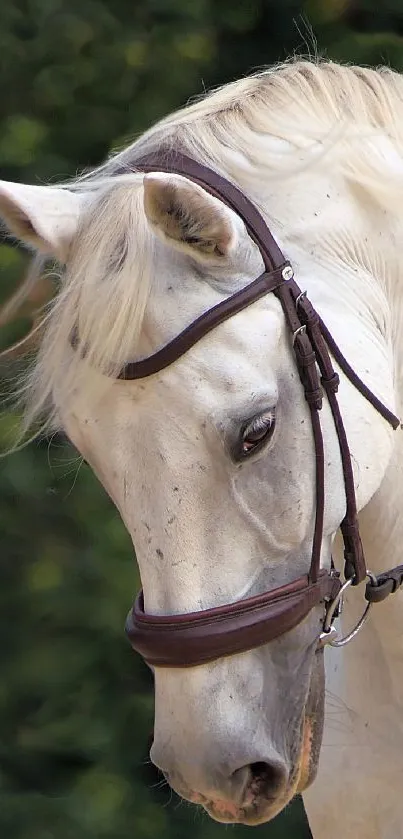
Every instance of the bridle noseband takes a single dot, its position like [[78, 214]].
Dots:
[[195, 638]]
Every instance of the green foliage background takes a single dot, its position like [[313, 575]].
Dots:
[[78, 77]]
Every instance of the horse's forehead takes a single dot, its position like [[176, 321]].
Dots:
[[235, 371], [243, 351]]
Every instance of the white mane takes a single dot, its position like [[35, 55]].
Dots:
[[352, 115]]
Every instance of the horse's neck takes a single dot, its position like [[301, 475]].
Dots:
[[357, 794], [358, 791], [381, 525], [381, 522]]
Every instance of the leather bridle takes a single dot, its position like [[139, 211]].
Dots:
[[190, 639]]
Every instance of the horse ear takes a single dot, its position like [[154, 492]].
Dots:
[[43, 217], [186, 216]]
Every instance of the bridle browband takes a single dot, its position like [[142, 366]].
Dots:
[[190, 639]]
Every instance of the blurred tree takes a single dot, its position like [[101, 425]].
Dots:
[[78, 77]]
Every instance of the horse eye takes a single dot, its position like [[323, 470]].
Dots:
[[256, 432]]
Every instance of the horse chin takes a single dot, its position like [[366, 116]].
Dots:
[[261, 812], [257, 812], [304, 771], [261, 816]]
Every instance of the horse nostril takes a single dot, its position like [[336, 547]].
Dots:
[[266, 779]]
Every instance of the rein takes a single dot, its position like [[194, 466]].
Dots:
[[195, 638]]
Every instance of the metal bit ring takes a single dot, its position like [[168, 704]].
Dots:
[[328, 635]]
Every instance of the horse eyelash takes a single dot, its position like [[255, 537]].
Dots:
[[260, 422]]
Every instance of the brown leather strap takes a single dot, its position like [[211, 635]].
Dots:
[[173, 162], [268, 281], [355, 566], [348, 371], [308, 372], [386, 583], [195, 638]]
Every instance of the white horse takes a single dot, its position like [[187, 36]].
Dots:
[[319, 149]]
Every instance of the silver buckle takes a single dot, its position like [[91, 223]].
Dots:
[[299, 298]]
